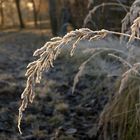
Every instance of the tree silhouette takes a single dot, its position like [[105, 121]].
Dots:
[[17, 2]]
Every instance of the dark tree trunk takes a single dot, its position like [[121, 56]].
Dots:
[[34, 13], [53, 17], [1, 14], [19, 13]]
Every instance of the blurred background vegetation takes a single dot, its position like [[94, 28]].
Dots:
[[61, 15]]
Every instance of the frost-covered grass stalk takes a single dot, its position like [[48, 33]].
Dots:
[[131, 17], [49, 52], [89, 16]]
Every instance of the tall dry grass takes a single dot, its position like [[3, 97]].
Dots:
[[122, 112], [121, 116]]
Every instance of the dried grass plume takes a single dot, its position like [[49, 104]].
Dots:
[[48, 53]]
